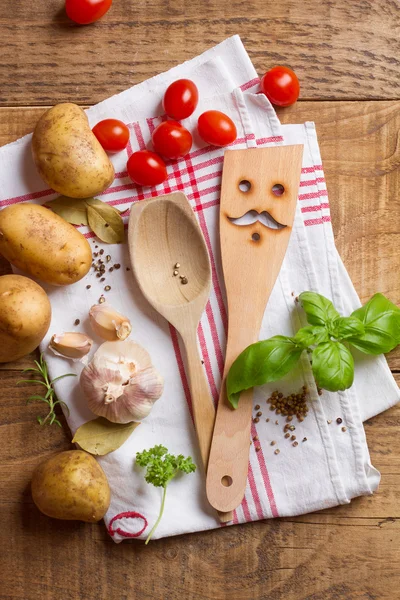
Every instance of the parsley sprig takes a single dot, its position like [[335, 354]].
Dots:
[[161, 468], [50, 397]]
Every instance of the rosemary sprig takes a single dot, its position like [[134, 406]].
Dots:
[[50, 397]]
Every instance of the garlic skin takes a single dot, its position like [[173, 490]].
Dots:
[[120, 382], [108, 323], [71, 345]]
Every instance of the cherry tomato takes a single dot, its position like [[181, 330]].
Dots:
[[216, 128], [86, 11], [180, 99], [112, 134], [146, 168], [281, 86], [171, 139]]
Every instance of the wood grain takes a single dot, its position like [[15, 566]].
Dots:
[[248, 253], [342, 49], [348, 553]]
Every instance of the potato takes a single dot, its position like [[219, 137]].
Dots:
[[68, 155], [72, 486], [39, 242], [25, 315]]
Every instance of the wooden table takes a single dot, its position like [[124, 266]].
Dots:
[[347, 56]]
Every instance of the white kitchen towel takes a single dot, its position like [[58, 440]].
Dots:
[[331, 466]]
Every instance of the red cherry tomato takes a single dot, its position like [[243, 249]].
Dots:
[[180, 99], [146, 168], [171, 139], [216, 128], [112, 134], [86, 11], [281, 86]]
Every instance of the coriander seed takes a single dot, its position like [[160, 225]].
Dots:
[[184, 280], [304, 439], [293, 437], [77, 321], [277, 451], [256, 420], [259, 414], [101, 299], [257, 407], [344, 428], [107, 288], [88, 287], [287, 435], [339, 420], [108, 258], [295, 444], [273, 443]]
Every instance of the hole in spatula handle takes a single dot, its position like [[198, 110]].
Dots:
[[278, 189], [226, 481]]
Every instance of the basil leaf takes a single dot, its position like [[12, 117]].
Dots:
[[319, 310], [72, 210], [381, 319], [260, 363], [333, 366], [310, 335], [345, 327]]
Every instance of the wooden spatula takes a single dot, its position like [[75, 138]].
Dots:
[[258, 202]]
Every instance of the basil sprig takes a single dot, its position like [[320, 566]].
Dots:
[[374, 329]]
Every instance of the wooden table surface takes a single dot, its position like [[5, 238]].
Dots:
[[347, 56]]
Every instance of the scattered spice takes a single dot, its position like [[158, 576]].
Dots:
[[329, 421], [267, 420], [292, 427], [277, 451], [273, 443], [107, 288], [257, 407], [101, 299], [256, 420], [339, 420], [259, 414], [288, 419], [293, 438], [117, 266], [304, 439], [295, 444], [319, 391], [258, 448], [177, 266], [344, 428], [108, 258], [276, 422], [77, 322], [291, 405], [184, 280], [102, 251], [111, 269], [98, 274], [296, 299], [255, 438], [176, 273], [287, 435], [107, 225], [88, 287]]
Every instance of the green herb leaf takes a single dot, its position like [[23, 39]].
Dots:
[[100, 436], [50, 397], [261, 363], [73, 210], [333, 366], [161, 468], [381, 319], [345, 327], [105, 221], [319, 310], [310, 335]]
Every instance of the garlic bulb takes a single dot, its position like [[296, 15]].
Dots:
[[71, 345], [108, 323], [120, 382]]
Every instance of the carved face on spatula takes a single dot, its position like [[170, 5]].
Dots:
[[256, 198]]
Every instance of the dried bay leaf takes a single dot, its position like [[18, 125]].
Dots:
[[105, 221], [100, 436], [73, 210]]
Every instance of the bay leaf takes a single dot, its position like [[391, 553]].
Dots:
[[100, 436], [105, 221], [73, 210]]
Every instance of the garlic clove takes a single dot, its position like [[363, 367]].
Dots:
[[108, 323], [71, 344], [120, 383]]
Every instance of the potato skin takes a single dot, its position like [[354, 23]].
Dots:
[[68, 155], [25, 315], [72, 486], [39, 242]]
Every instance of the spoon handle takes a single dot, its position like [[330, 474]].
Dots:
[[202, 405]]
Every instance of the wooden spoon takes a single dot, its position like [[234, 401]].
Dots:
[[164, 232], [257, 184]]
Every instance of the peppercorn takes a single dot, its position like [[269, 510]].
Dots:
[[256, 420], [339, 420], [88, 287], [277, 451], [257, 406]]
